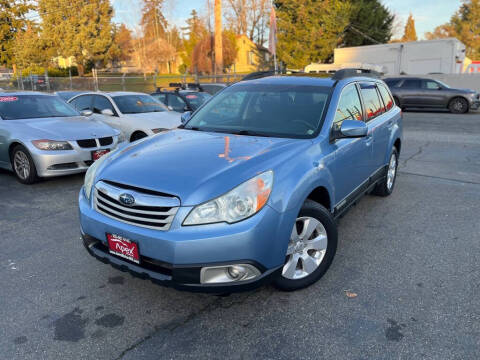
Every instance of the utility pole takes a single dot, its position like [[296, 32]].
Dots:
[[218, 38]]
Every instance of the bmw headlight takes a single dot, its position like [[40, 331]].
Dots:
[[236, 205], [52, 145], [92, 171]]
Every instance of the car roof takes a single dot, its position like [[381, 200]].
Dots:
[[113, 93], [307, 79]]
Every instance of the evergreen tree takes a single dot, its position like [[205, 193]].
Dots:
[[80, 29], [194, 32], [371, 18], [12, 23], [410, 33], [309, 30]]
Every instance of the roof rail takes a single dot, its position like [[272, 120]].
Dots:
[[347, 73]]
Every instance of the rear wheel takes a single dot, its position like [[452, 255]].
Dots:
[[23, 165], [312, 246], [458, 106], [137, 136], [385, 187]]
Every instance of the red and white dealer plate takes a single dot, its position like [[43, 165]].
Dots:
[[120, 246]]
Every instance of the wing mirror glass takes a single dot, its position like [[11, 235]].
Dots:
[[185, 117], [352, 129], [107, 112], [170, 108], [86, 112]]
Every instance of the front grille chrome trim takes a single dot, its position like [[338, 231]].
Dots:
[[160, 217]]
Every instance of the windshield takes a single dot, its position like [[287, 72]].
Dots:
[[16, 107], [264, 110], [137, 104], [197, 99]]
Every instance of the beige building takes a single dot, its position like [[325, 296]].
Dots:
[[250, 56]]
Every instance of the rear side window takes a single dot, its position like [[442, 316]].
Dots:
[[387, 98], [411, 84], [101, 103], [349, 106], [371, 100], [83, 102]]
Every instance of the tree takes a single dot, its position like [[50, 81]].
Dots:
[[80, 29], [153, 23], [12, 23], [30, 49], [465, 26], [248, 17], [410, 33], [124, 43], [309, 30], [369, 20], [194, 32], [202, 54]]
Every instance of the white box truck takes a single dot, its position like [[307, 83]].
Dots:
[[443, 56]]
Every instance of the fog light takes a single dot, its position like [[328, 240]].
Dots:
[[228, 273]]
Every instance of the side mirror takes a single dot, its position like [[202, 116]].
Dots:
[[186, 108], [86, 112], [169, 108], [107, 112], [185, 117], [352, 129]]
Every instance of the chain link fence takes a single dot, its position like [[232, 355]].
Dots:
[[148, 83]]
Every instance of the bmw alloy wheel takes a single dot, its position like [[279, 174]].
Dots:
[[306, 249], [21, 165]]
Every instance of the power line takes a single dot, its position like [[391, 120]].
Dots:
[[39, 15], [362, 34]]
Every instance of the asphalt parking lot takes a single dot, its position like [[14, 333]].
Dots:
[[412, 260]]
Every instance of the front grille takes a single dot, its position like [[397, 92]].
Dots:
[[106, 141], [153, 212], [87, 143]]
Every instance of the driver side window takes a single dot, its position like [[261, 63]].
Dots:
[[349, 106], [101, 103], [431, 85]]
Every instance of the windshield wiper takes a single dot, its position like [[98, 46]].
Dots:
[[246, 132]]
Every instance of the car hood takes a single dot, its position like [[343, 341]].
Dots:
[[463, 91], [197, 166], [154, 120], [66, 128]]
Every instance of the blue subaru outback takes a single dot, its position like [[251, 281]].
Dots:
[[248, 190]]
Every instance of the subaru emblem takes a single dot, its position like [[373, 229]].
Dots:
[[127, 199]]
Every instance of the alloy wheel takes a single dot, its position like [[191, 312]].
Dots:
[[306, 249], [392, 170], [21, 165]]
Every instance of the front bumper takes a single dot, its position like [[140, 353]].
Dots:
[[174, 257], [65, 162], [475, 104]]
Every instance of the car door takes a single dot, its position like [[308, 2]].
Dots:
[[176, 103], [382, 126], [352, 156], [101, 103], [411, 92], [434, 94]]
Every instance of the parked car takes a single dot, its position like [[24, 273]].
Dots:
[[42, 136], [414, 92], [136, 115], [67, 95], [248, 190], [181, 99]]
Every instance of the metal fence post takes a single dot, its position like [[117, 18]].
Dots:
[[47, 80], [155, 79], [31, 80], [123, 82], [70, 76]]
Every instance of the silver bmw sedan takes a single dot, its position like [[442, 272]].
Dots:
[[42, 136]]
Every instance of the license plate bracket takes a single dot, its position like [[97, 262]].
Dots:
[[97, 154], [123, 247]]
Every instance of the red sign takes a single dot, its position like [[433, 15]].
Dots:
[[8, 98], [97, 154], [122, 247]]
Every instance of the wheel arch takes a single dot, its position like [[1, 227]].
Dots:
[[458, 96]]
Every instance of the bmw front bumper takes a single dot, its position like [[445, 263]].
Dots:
[[175, 257]]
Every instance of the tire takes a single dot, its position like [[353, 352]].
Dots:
[[137, 136], [385, 187], [296, 274], [23, 165], [458, 105]]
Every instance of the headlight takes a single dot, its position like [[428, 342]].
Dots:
[[120, 138], [51, 145], [92, 171], [238, 204], [159, 130]]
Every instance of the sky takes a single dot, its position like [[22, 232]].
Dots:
[[427, 13]]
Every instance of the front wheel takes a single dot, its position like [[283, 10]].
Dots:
[[23, 165], [458, 106], [312, 246]]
